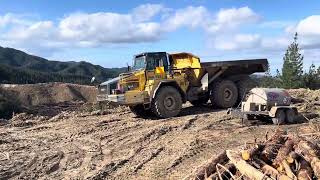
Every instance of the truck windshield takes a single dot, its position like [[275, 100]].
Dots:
[[139, 63]]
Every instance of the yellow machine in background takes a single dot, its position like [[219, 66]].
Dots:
[[159, 83]]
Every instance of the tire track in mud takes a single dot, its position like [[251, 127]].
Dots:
[[145, 138], [37, 129], [195, 148], [113, 166], [118, 135], [38, 165], [149, 158], [189, 122]]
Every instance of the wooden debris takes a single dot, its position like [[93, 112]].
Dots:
[[249, 153], [266, 169], [283, 157], [305, 171], [244, 167], [292, 156], [272, 145], [227, 171], [310, 152], [210, 166], [283, 153], [288, 170]]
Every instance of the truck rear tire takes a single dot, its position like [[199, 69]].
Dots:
[[139, 111], [167, 102], [244, 86], [224, 94], [279, 118]]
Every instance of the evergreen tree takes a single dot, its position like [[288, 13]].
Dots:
[[292, 69], [310, 78]]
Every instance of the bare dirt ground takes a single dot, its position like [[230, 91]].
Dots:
[[117, 145]]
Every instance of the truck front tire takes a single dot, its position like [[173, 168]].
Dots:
[[224, 94], [167, 102], [139, 111]]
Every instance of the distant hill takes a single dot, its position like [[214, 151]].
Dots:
[[19, 67]]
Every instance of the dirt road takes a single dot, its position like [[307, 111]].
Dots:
[[120, 146]]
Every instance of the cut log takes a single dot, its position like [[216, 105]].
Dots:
[[283, 153], [249, 153], [224, 173], [305, 171], [209, 167], [272, 146], [291, 157], [310, 152], [311, 148], [245, 168], [284, 177], [288, 170], [266, 169]]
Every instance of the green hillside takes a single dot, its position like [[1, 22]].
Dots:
[[19, 67]]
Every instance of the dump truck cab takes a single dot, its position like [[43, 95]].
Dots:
[[159, 83]]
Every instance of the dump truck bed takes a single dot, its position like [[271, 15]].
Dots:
[[235, 67]]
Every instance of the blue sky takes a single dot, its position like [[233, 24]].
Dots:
[[109, 33]]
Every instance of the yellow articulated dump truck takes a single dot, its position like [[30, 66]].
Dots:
[[159, 83]]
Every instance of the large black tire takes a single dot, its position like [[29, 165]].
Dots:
[[249, 117], [200, 102], [290, 116], [244, 86], [139, 111], [280, 117], [243, 89], [223, 94], [167, 102]]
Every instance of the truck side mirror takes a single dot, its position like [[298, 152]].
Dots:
[[128, 68]]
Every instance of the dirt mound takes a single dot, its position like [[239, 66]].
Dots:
[[51, 93], [306, 94], [308, 100]]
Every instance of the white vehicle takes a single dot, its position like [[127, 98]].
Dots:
[[267, 103]]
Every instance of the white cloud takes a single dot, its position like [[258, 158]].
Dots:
[[108, 28], [145, 12], [191, 17], [230, 19], [237, 42], [308, 30], [309, 26], [39, 30], [13, 19], [276, 24], [224, 31]]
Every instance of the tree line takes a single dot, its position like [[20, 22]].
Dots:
[[292, 75]]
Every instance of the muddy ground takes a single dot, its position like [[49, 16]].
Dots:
[[117, 145]]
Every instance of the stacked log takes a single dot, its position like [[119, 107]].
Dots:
[[280, 157]]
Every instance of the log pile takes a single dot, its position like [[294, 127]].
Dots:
[[280, 157]]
